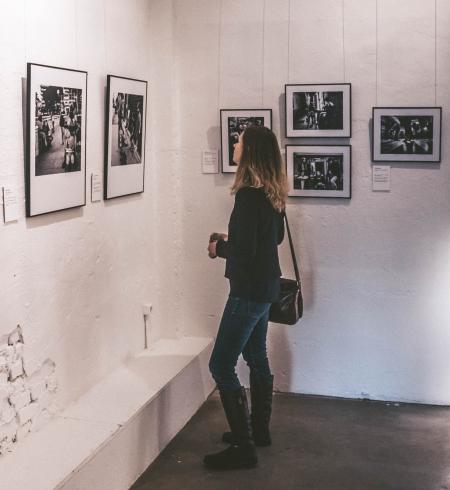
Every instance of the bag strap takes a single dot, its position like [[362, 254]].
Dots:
[[291, 245]]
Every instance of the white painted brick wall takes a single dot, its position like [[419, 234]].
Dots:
[[7, 412], [37, 389], [28, 412], [20, 399], [23, 431], [15, 336], [26, 395], [16, 370], [31, 363], [7, 436], [5, 391], [40, 419]]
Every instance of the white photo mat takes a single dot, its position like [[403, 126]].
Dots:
[[48, 193], [325, 150], [434, 112], [345, 132]]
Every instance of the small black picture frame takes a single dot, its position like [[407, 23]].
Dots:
[[406, 134], [319, 170], [232, 124], [318, 110], [125, 136], [55, 154]]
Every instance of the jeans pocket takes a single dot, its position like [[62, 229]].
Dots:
[[247, 308]]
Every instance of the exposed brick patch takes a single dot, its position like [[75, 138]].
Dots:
[[26, 390]]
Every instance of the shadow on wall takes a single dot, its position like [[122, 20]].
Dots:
[[214, 141], [282, 339]]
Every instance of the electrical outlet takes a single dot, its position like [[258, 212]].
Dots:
[[147, 309]]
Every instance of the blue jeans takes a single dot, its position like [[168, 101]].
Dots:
[[243, 329]]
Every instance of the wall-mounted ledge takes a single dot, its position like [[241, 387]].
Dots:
[[109, 436]]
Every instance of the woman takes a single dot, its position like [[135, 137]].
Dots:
[[255, 230]]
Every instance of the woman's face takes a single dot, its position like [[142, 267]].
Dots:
[[237, 154]]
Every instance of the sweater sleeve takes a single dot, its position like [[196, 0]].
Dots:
[[281, 229], [243, 245], [222, 249]]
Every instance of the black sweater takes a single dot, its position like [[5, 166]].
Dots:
[[254, 232]]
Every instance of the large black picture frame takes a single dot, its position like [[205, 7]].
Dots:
[[408, 138], [319, 122], [329, 152], [125, 147], [55, 161]]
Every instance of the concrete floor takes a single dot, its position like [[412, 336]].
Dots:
[[318, 443]]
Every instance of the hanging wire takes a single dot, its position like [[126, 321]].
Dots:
[[263, 52], [343, 38], [376, 52], [105, 44], [219, 57], [289, 45], [76, 37], [435, 52]]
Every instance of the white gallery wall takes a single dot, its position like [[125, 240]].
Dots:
[[75, 281], [376, 268]]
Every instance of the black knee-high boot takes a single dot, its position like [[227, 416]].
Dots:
[[242, 453], [261, 391], [261, 396]]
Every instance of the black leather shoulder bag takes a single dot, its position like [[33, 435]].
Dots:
[[289, 307]]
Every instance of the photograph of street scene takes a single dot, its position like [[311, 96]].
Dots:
[[236, 126], [126, 131], [57, 130], [407, 135], [317, 110], [318, 172]]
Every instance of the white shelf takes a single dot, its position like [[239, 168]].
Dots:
[[55, 456]]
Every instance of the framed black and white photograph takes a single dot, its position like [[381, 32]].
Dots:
[[319, 171], [126, 111], [406, 134], [232, 124], [318, 111], [55, 170]]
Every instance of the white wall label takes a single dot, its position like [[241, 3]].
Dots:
[[10, 205], [381, 178], [210, 161], [96, 187]]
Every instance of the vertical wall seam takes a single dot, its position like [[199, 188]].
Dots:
[[263, 54], [289, 44], [219, 54], [104, 36], [343, 38], [77, 61], [376, 52], [435, 52], [25, 37]]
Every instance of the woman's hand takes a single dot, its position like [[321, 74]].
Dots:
[[218, 236], [212, 249], [213, 239]]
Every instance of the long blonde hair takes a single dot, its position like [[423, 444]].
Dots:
[[261, 166]]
